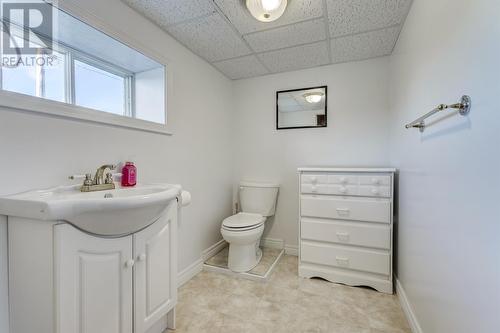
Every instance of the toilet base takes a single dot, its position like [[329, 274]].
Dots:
[[243, 258]]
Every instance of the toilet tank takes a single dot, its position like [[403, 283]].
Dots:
[[258, 198]]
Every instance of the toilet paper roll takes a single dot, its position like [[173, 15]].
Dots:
[[185, 198]]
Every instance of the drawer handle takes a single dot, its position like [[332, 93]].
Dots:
[[343, 236], [343, 189], [375, 191], [314, 180], [343, 180], [375, 181], [342, 261], [343, 211], [314, 189]]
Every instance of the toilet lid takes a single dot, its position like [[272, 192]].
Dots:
[[243, 220]]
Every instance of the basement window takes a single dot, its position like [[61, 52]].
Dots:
[[92, 76]]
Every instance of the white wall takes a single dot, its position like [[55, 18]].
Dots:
[[449, 182], [150, 95], [38, 151], [357, 132], [4, 312]]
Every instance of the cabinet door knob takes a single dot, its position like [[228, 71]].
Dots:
[[343, 236], [343, 211], [342, 261], [129, 263], [141, 257]]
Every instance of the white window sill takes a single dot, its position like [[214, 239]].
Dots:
[[63, 110]]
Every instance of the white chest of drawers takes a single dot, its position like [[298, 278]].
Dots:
[[346, 225]]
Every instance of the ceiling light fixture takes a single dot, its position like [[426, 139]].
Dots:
[[313, 97], [266, 10]]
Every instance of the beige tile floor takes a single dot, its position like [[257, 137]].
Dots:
[[218, 303], [269, 256]]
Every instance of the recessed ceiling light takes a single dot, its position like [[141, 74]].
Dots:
[[313, 97], [266, 10]]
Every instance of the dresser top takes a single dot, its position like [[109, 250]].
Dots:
[[334, 169]]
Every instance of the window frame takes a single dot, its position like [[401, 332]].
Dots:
[[68, 108], [128, 79]]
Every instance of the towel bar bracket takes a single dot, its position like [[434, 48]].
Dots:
[[463, 108], [464, 105]]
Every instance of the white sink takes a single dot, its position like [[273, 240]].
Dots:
[[115, 212]]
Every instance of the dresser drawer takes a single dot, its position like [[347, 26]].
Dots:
[[314, 178], [375, 180], [374, 191], [345, 232], [343, 179], [343, 189], [359, 209], [329, 189], [315, 189], [372, 261]]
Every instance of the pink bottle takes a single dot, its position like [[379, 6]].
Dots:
[[129, 174]]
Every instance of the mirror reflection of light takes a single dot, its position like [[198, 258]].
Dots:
[[313, 97]]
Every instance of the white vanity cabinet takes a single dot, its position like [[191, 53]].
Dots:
[[92, 284], [346, 217]]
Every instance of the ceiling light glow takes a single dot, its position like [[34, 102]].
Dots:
[[266, 10], [270, 5]]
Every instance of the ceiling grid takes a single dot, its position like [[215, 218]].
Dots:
[[310, 33]]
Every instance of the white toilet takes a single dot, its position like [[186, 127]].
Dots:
[[243, 230]]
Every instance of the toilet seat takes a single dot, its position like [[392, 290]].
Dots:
[[243, 222]]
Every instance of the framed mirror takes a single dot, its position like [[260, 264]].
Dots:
[[301, 108]]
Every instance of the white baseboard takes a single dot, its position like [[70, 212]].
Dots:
[[189, 272], [279, 244], [292, 250], [407, 309], [213, 250], [272, 243]]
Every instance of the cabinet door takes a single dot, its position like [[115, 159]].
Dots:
[[155, 286], [93, 282]]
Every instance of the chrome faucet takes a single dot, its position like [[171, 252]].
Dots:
[[103, 179], [100, 179]]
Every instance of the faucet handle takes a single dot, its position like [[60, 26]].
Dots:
[[88, 180], [109, 178], [87, 176]]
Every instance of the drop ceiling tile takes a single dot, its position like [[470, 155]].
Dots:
[[290, 35], [298, 57], [364, 46], [239, 68], [210, 37], [296, 11], [168, 12], [355, 16]]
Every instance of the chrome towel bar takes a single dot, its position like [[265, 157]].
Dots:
[[463, 108]]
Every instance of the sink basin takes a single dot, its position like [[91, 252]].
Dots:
[[117, 212]]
